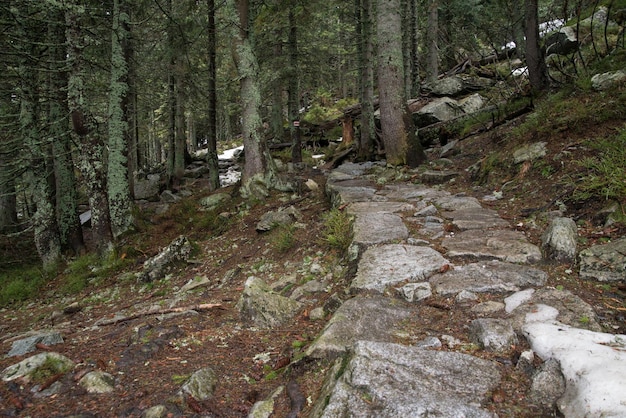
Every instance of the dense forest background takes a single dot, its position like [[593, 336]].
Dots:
[[97, 94]]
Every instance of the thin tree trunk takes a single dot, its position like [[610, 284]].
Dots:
[[46, 233], [399, 138], [70, 231], [259, 172], [118, 185], [294, 108], [537, 70], [368, 128], [432, 63], [212, 159], [92, 158]]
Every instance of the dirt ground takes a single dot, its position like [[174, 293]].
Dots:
[[151, 357]]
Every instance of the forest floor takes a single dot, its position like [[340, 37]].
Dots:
[[151, 358]]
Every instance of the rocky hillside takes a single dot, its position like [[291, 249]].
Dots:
[[212, 307]]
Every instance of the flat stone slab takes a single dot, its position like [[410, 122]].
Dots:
[[379, 228], [392, 380], [505, 245], [29, 344], [487, 277], [412, 192], [387, 265], [476, 218], [593, 364], [343, 194], [359, 208], [457, 202], [360, 318]]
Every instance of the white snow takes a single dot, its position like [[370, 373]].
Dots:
[[517, 298], [229, 153], [593, 364]]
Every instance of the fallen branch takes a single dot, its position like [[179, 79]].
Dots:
[[199, 308]]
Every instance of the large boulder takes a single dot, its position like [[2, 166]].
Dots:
[[563, 42], [156, 267], [457, 85], [606, 81], [605, 263], [263, 307]]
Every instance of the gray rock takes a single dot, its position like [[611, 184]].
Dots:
[[157, 411], [572, 310], [390, 264], [52, 361], [438, 110], [438, 176], [606, 81], [548, 384], [392, 380], [457, 84], [415, 292], [279, 218], [427, 211], [379, 228], [408, 192], [155, 268], [359, 318], [312, 286], [359, 208], [487, 308], [261, 306], [265, 408], [563, 42], [476, 218], [456, 202], [505, 245], [493, 334], [465, 295], [98, 382], [27, 345], [147, 189], [429, 342], [201, 384], [214, 201], [317, 314], [530, 152], [559, 240], [167, 196], [472, 103], [487, 277], [605, 263]]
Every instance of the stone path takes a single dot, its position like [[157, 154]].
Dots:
[[583, 370]]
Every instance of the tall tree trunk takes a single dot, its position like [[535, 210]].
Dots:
[[180, 144], [212, 159], [415, 39], [432, 64], [118, 185], [171, 98], [398, 132], [294, 92], [368, 128], [46, 233], [277, 118], [259, 172], [92, 159], [70, 230], [537, 69], [8, 201]]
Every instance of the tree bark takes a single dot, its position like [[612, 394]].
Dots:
[[212, 159], [432, 64], [294, 92], [118, 185], [70, 230], [92, 156], [367, 136], [537, 69], [398, 133], [258, 172]]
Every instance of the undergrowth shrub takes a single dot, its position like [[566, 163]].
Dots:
[[606, 172], [337, 233], [20, 284]]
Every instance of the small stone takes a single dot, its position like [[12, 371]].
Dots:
[[465, 295], [317, 314], [429, 342], [97, 382], [488, 307], [201, 385]]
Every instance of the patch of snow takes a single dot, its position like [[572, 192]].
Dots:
[[229, 154], [593, 363], [517, 298]]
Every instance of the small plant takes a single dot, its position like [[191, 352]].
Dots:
[[337, 229], [606, 175], [20, 285], [179, 379], [283, 239]]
